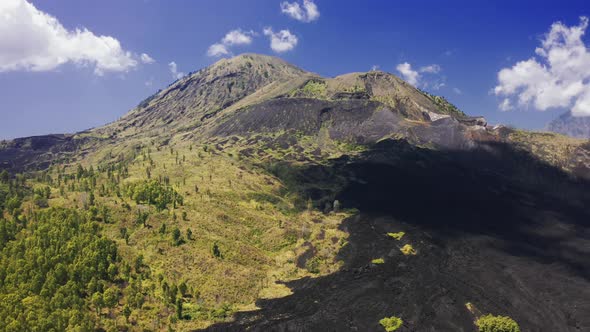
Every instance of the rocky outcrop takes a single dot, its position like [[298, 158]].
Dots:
[[473, 120]]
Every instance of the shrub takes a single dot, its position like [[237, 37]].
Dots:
[[391, 323], [378, 261], [154, 193], [176, 236], [215, 251], [313, 265], [408, 250], [398, 236], [491, 323]]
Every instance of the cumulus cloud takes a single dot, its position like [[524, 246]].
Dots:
[[32, 40], [281, 41], [237, 37], [217, 49], [234, 37], [557, 77], [431, 69], [415, 77], [411, 76], [146, 58], [307, 12], [174, 71], [505, 105]]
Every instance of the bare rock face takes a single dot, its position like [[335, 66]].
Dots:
[[473, 120], [570, 125]]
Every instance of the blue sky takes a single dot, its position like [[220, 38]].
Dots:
[[454, 48]]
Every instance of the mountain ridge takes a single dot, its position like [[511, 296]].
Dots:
[[195, 106], [570, 125]]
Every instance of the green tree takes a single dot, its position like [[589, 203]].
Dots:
[[111, 297], [215, 251], [91, 198], [141, 218], [176, 236], [179, 308], [126, 312], [173, 293], [97, 301], [189, 234], [183, 288], [138, 263], [4, 176], [112, 271]]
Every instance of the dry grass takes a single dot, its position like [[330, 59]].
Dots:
[[239, 206]]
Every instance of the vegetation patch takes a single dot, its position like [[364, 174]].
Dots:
[[444, 106], [398, 236], [54, 275], [391, 323], [154, 193], [408, 250], [312, 89], [491, 323], [378, 261]]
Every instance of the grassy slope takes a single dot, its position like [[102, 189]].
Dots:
[[554, 149], [243, 208]]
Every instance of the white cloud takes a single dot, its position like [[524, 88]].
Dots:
[[217, 49], [410, 75], [307, 13], [559, 77], [457, 91], [431, 69], [505, 105], [146, 58], [374, 67], [234, 37], [438, 85], [174, 70], [281, 41], [237, 37], [36, 41], [415, 77]]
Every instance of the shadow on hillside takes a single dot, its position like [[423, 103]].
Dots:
[[534, 216]]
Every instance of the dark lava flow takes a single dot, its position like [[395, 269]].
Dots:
[[492, 226]]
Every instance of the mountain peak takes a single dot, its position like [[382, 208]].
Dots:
[[568, 124], [250, 60]]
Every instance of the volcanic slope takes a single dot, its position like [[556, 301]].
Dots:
[[252, 194]]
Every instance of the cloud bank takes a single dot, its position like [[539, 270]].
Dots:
[[32, 40], [557, 77]]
